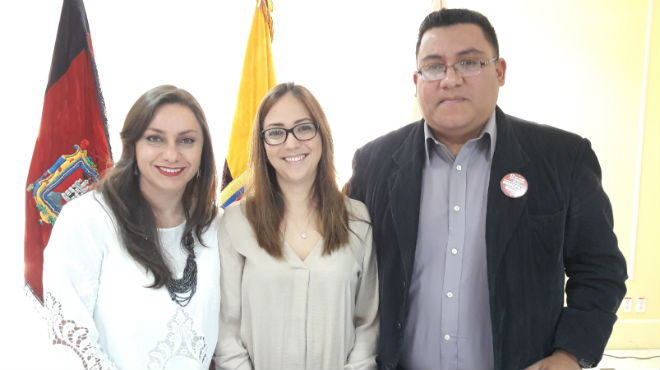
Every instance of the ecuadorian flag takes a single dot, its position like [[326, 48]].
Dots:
[[257, 79]]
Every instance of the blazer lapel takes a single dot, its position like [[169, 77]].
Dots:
[[503, 213], [404, 185]]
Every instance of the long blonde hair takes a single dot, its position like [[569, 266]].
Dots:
[[264, 200]]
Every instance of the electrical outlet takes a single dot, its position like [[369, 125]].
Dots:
[[640, 304], [626, 305]]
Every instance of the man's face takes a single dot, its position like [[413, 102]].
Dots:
[[457, 107]]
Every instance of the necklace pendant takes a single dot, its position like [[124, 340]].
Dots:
[[303, 235]]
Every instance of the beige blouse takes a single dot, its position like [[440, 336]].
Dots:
[[316, 313]]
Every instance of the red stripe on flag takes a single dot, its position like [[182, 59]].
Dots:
[[71, 116]]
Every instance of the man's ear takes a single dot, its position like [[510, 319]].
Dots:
[[500, 68], [415, 77]]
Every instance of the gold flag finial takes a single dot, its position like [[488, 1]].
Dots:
[[267, 8], [439, 4]]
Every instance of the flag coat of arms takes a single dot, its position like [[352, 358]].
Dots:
[[257, 78], [72, 150]]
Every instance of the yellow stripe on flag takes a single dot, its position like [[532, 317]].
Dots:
[[257, 79]]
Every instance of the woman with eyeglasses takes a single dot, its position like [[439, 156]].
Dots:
[[299, 279], [132, 271]]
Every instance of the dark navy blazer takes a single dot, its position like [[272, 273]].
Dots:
[[561, 227]]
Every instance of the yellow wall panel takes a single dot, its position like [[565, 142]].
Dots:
[[634, 329]]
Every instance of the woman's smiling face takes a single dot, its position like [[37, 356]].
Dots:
[[295, 162], [169, 152]]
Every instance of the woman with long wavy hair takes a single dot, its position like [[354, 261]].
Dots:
[[299, 279], [131, 271]]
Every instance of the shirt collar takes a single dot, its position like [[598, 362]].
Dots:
[[489, 131]]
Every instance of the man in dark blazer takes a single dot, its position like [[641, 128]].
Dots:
[[473, 250]]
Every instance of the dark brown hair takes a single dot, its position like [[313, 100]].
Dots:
[[264, 199], [449, 17], [121, 191]]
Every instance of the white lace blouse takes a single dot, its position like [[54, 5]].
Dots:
[[99, 305]]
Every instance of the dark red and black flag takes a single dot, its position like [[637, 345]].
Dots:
[[72, 150]]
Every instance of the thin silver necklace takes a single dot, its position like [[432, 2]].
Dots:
[[303, 234]]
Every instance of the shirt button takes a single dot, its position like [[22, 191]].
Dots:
[[398, 325], [454, 251], [459, 167], [447, 337], [450, 294], [457, 208]]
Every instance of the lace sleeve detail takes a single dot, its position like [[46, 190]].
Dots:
[[68, 333], [73, 261]]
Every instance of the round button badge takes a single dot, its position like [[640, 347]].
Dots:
[[514, 185]]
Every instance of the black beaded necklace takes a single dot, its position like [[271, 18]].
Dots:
[[182, 290]]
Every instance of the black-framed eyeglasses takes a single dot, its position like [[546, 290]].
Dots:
[[463, 68], [278, 135]]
